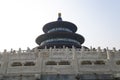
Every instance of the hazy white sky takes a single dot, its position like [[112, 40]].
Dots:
[[21, 21]]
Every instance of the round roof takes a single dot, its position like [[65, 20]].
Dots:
[[54, 35], [59, 24]]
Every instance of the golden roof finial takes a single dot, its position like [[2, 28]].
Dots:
[[59, 14], [59, 17]]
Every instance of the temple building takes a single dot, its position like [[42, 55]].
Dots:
[[60, 56], [60, 33]]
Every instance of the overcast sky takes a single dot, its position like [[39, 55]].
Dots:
[[21, 21]]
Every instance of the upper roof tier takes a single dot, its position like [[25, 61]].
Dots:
[[59, 24]]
